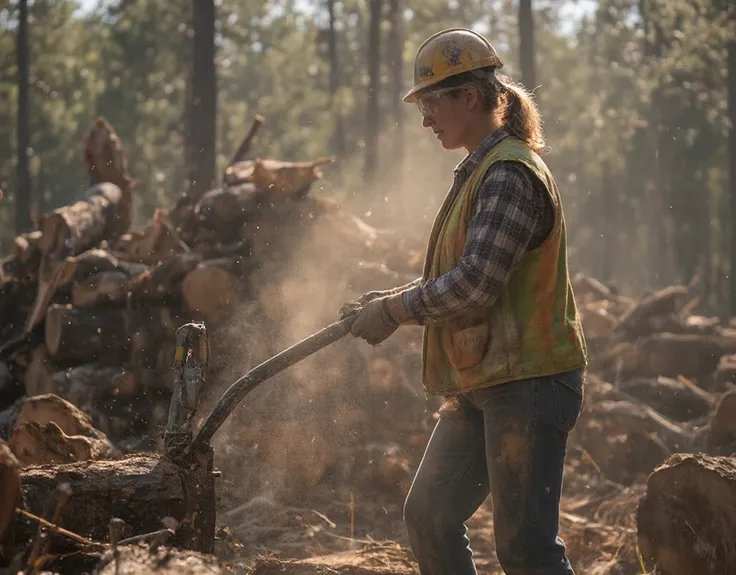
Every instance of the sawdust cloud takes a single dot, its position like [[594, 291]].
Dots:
[[322, 421]]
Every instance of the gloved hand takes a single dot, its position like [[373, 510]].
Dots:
[[374, 322], [348, 308]]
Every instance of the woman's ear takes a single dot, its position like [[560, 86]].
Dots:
[[471, 96]]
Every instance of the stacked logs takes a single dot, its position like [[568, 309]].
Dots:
[[90, 306]]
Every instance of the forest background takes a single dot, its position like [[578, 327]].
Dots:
[[638, 97]]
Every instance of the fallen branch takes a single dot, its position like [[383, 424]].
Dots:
[[60, 530]]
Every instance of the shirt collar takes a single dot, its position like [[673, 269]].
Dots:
[[470, 161]]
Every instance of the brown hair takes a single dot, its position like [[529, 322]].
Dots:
[[511, 103]]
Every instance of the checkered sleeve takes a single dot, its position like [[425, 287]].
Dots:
[[505, 215]]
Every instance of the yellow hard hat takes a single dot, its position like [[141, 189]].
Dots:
[[448, 53]]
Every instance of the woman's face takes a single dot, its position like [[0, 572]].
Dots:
[[450, 112]]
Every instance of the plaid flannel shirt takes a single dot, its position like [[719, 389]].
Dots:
[[512, 213]]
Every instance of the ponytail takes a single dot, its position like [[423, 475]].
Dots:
[[520, 115], [511, 104]]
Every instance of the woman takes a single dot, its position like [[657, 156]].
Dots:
[[503, 342]]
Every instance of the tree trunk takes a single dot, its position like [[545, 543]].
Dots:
[[609, 237], [370, 168], [732, 160], [338, 137], [686, 520], [526, 45], [203, 105], [394, 51], [23, 179]]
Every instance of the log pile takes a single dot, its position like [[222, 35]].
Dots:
[[92, 305]]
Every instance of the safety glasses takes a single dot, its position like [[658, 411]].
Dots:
[[429, 101]]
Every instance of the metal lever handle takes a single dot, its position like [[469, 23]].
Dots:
[[297, 352]]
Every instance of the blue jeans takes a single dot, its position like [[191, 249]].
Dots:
[[510, 441]]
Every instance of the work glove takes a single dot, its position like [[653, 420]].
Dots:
[[349, 308], [374, 322]]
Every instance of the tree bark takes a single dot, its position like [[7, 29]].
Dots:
[[526, 45], [23, 178], [73, 229], [203, 105], [732, 158], [370, 167], [338, 136], [394, 60], [105, 335], [686, 520], [141, 490]]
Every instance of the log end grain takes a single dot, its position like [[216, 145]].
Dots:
[[208, 292], [52, 408], [687, 519], [37, 444]]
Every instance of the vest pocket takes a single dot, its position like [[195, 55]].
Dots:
[[467, 345]]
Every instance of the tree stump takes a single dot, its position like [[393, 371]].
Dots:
[[687, 520]]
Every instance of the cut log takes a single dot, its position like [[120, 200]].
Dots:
[[97, 261], [93, 383], [39, 444], [678, 399], [680, 354], [585, 286], [50, 408], [637, 321], [721, 438], [287, 178], [627, 440], [210, 289], [152, 244], [103, 335], [74, 269], [71, 230], [16, 301], [52, 276], [27, 254], [39, 375], [247, 142], [105, 288], [141, 490], [598, 322], [9, 486], [225, 209], [726, 371], [105, 159], [161, 284], [687, 519]]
